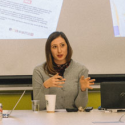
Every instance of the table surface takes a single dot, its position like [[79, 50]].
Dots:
[[61, 117]]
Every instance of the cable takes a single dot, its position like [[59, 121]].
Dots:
[[121, 117], [119, 121]]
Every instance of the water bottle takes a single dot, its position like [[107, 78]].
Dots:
[[1, 112]]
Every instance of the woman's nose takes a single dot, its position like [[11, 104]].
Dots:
[[59, 49]]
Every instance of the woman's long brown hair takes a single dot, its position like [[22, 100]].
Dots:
[[48, 66]]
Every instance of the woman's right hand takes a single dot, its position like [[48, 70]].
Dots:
[[54, 81]]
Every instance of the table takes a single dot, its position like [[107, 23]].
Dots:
[[61, 117]]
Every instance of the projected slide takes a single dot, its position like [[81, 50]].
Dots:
[[118, 17], [28, 19]]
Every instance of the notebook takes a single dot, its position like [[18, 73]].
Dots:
[[112, 95], [6, 115]]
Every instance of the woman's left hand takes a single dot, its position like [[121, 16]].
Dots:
[[86, 82]]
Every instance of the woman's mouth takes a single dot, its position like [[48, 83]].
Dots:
[[60, 56]]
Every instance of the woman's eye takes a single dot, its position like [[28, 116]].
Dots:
[[54, 47], [62, 45]]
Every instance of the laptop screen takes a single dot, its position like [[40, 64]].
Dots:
[[113, 95]]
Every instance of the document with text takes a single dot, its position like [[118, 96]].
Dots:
[[28, 19], [118, 17]]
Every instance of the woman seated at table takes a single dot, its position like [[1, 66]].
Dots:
[[61, 75]]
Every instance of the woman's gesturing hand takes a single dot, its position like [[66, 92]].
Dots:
[[54, 81], [86, 82]]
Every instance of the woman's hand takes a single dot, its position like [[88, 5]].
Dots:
[[86, 82], [54, 81]]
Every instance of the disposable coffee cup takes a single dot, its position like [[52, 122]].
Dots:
[[35, 105], [50, 103]]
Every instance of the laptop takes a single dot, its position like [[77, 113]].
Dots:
[[6, 115], [112, 95]]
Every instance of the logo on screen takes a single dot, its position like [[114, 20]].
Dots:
[[27, 1], [122, 94]]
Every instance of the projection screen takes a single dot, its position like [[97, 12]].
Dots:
[[88, 25]]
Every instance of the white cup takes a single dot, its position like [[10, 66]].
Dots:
[[50, 103]]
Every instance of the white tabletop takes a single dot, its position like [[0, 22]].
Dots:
[[61, 117]]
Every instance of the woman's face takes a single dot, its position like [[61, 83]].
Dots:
[[59, 50]]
